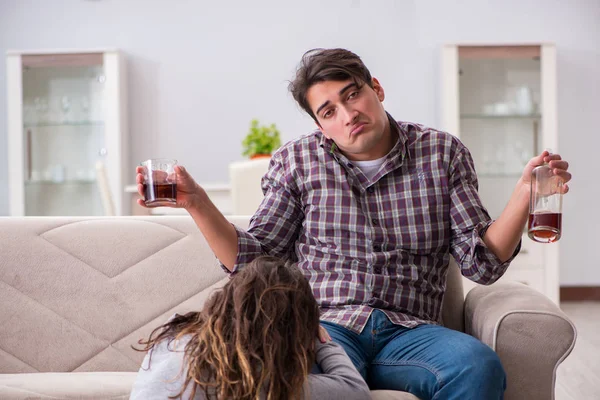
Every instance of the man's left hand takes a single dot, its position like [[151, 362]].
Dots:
[[557, 164]]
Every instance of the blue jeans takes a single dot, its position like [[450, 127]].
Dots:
[[429, 361]]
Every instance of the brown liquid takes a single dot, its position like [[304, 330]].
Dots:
[[160, 194], [545, 227]]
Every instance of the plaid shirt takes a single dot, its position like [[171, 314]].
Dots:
[[382, 243]]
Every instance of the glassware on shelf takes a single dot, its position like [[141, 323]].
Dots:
[[65, 105], [35, 176], [41, 110], [29, 112], [84, 105], [524, 101], [59, 172]]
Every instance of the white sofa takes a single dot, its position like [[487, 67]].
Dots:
[[76, 293]]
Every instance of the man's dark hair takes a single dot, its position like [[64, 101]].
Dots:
[[319, 65]]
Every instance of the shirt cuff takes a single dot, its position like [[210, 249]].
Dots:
[[484, 255], [248, 248]]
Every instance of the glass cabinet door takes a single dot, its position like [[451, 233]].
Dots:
[[67, 149], [501, 102], [499, 116], [63, 119]]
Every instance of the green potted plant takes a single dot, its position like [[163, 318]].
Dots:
[[261, 141]]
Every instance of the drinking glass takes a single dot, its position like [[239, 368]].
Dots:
[[160, 182], [545, 205]]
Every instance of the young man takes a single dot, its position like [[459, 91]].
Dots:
[[371, 210]]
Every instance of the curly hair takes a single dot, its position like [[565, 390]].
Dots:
[[255, 336]]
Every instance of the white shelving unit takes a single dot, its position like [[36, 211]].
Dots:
[[500, 100], [67, 126]]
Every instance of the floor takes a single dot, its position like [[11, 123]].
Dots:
[[578, 377]]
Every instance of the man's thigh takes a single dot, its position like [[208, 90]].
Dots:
[[352, 344], [429, 360]]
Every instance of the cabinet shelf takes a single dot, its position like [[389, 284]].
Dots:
[[500, 116], [62, 124], [499, 175], [65, 182]]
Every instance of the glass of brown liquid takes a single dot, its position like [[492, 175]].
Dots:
[[160, 182], [545, 205]]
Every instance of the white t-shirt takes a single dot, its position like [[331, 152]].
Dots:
[[370, 167]]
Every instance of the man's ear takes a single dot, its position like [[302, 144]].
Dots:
[[323, 132], [378, 89], [320, 128]]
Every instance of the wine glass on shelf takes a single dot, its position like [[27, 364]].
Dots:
[[84, 103], [65, 104]]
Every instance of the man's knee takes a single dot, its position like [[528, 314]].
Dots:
[[485, 365], [478, 373]]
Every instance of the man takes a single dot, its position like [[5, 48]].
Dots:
[[371, 210]]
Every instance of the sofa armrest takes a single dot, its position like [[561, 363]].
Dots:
[[530, 334]]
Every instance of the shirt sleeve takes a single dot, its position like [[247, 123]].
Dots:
[[340, 379], [162, 373], [469, 221], [274, 227]]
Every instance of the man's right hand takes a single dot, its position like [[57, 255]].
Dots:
[[189, 193]]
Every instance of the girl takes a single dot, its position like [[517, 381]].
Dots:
[[254, 339]]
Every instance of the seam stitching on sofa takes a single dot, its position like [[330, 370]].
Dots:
[[23, 391], [89, 333], [94, 336], [101, 218], [72, 255], [562, 358], [148, 256], [145, 219], [167, 309], [131, 266], [53, 312], [100, 352], [210, 287], [110, 345], [59, 226], [9, 353]]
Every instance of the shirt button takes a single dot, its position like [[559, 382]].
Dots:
[[370, 189], [375, 221], [377, 247]]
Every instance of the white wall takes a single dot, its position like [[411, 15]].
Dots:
[[200, 70]]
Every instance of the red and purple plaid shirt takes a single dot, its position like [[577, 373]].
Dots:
[[381, 243]]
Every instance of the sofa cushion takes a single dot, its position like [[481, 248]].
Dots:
[[72, 385], [98, 385], [74, 299]]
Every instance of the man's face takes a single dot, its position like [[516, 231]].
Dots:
[[352, 117]]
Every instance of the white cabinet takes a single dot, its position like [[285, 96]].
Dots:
[[500, 100], [67, 136]]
